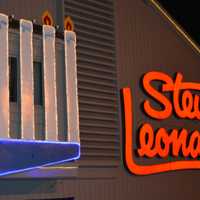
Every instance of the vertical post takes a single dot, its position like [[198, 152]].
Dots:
[[26, 80], [4, 77], [71, 86], [51, 126]]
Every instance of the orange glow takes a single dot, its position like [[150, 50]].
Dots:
[[47, 19], [178, 143], [185, 105], [68, 24], [177, 140]]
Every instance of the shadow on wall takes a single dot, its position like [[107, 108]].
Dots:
[[23, 187]]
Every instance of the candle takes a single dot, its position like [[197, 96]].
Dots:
[[51, 127], [4, 77], [71, 86], [26, 79]]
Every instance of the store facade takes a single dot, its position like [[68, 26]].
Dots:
[[118, 43]]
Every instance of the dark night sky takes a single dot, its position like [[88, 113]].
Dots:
[[186, 13]]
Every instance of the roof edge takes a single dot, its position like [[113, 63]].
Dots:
[[178, 28]]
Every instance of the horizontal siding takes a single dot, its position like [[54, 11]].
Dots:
[[97, 81]]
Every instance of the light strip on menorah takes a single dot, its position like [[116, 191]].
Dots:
[[71, 86], [4, 77], [51, 125], [26, 80], [17, 154]]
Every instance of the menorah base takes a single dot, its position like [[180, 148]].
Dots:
[[21, 155]]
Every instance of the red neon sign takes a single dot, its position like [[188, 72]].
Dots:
[[161, 142]]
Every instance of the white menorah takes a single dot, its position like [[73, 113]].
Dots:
[[26, 82]]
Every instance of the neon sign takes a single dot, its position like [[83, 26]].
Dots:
[[162, 142]]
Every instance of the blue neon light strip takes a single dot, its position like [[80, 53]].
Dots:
[[17, 156], [2, 140]]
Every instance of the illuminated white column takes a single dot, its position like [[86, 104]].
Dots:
[[4, 78], [71, 86], [51, 129], [26, 80]]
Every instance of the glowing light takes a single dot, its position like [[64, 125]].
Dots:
[[26, 77], [23, 160], [68, 24], [146, 149], [32, 168], [71, 86], [19, 155], [4, 77], [51, 125], [47, 19]]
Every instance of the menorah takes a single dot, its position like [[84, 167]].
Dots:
[[26, 152]]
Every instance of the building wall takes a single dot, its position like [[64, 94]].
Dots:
[[144, 41], [97, 81], [33, 9], [98, 102]]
